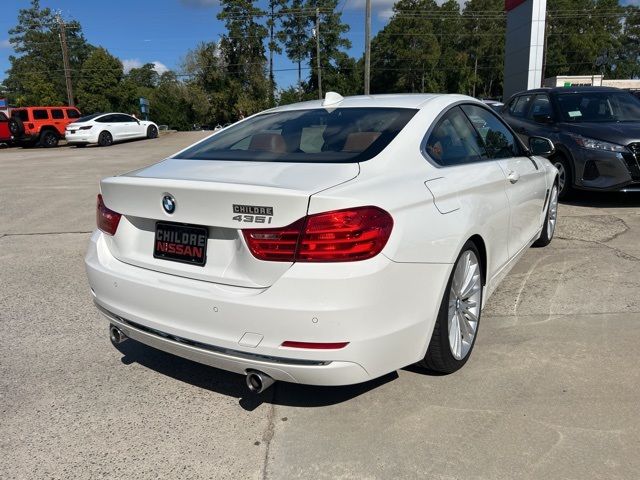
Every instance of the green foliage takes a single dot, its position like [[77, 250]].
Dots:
[[36, 75], [98, 87]]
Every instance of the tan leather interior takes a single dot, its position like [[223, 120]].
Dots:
[[268, 142], [359, 141]]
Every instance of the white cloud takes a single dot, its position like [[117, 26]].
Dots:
[[5, 43], [130, 63], [160, 67]]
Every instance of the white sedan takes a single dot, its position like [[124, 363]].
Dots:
[[327, 242], [107, 128]]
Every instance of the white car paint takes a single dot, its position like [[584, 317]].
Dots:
[[120, 125], [236, 311]]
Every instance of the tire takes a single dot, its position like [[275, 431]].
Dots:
[[16, 127], [459, 303], [152, 131], [49, 139], [565, 176], [550, 220], [105, 139]]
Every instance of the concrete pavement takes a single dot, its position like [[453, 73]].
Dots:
[[551, 391]]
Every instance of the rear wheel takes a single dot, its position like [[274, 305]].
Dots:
[[49, 139], [105, 139], [152, 131], [549, 227], [454, 333], [565, 176]]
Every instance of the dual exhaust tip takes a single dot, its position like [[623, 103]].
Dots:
[[257, 381], [116, 335]]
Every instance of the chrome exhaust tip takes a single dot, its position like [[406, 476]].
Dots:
[[258, 382], [116, 335]]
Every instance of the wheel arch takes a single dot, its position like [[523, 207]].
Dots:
[[478, 241]]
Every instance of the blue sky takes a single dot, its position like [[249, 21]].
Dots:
[[140, 31]]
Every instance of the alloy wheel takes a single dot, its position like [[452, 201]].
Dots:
[[553, 213], [562, 175], [464, 304]]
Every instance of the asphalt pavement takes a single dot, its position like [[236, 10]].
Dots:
[[552, 389]]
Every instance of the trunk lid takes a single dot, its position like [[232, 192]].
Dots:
[[205, 194]]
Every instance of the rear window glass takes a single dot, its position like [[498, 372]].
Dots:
[[71, 113], [57, 114], [21, 114], [87, 117], [40, 115], [341, 135]]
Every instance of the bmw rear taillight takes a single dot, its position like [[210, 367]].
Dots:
[[106, 219], [338, 236]]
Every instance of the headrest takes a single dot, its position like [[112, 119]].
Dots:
[[268, 142], [359, 141]]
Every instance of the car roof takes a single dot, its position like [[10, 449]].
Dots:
[[403, 100], [582, 89], [45, 106]]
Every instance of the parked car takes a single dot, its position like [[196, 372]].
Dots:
[[43, 126], [326, 242], [596, 131], [107, 128], [495, 105], [6, 134]]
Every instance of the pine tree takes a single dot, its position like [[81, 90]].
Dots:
[[295, 35]]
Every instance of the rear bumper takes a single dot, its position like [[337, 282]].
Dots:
[[385, 310], [81, 137]]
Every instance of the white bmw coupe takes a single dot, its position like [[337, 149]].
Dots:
[[107, 128], [327, 242]]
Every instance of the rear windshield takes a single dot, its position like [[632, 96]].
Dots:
[[86, 118], [341, 135], [599, 107]]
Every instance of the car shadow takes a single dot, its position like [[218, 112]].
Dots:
[[233, 384], [583, 198]]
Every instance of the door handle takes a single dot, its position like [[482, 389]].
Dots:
[[513, 176]]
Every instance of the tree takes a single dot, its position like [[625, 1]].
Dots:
[[295, 36], [275, 9], [332, 44], [98, 88], [627, 63], [243, 51], [405, 53], [36, 75]]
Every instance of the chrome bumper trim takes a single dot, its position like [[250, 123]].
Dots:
[[141, 333]]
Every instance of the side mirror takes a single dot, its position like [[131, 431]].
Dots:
[[541, 146], [543, 118]]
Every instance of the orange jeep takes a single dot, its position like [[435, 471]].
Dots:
[[42, 125]]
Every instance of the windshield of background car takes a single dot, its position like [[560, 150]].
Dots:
[[599, 107], [340, 135]]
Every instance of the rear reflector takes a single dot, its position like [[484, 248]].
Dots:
[[106, 219], [315, 346], [338, 236]]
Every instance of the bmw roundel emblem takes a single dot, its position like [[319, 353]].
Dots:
[[169, 204]]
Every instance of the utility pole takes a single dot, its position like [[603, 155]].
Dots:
[[318, 53], [475, 76], [367, 47], [65, 60]]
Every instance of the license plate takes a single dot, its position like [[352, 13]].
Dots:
[[181, 243]]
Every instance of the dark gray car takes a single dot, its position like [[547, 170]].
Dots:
[[596, 131]]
